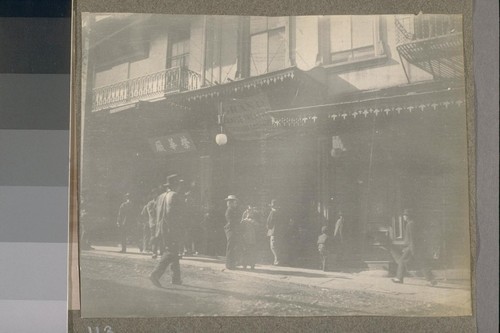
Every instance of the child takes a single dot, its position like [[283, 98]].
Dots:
[[323, 247]]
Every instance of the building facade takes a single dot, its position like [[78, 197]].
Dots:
[[359, 114]]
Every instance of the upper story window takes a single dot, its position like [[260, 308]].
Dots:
[[127, 46], [268, 44], [346, 40], [178, 51], [353, 38]]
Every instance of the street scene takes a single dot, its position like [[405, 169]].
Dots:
[[119, 283], [255, 166]]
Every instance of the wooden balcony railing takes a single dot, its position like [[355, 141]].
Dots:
[[147, 87]]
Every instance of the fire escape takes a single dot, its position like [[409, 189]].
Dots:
[[433, 43]]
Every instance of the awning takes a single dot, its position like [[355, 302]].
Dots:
[[246, 85], [369, 105], [245, 103]]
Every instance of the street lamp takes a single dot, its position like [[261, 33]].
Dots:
[[221, 138]]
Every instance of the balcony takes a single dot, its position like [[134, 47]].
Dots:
[[433, 43], [145, 88], [413, 28]]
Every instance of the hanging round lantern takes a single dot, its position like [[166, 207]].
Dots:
[[221, 139]]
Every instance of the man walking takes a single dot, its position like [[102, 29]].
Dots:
[[169, 208], [232, 230], [411, 252]]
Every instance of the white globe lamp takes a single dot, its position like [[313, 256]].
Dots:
[[221, 139]]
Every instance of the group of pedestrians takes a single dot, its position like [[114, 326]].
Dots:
[[139, 224], [242, 228], [161, 227], [166, 228], [331, 248], [241, 231], [243, 234]]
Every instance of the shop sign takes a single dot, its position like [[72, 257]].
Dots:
[[171, 144]]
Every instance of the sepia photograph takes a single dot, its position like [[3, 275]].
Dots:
[[273, 166]]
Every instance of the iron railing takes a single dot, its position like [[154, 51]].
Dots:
[[425, 26], [145, 88]]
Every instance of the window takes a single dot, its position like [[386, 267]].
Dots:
[[268, 44], [127, 46], [411, 27], [353, 38], [179, 51]]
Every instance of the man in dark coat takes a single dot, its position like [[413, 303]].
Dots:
[[127, 219], [277, 227], [232, 230], [411, 252], [169, 209]]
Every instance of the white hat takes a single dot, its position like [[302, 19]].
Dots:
[[231, 197]]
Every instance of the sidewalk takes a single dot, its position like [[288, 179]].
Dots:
[[455, 291]]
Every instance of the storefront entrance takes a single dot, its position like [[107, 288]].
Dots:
[[385, 165]]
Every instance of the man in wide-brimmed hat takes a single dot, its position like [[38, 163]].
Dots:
[[173, 180], [233, 219], [231, 198], [169, 208], [411, 252]]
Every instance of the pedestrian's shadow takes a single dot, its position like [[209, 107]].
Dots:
[[185, 287], [287, 272], [208, 260], [438, 286]]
